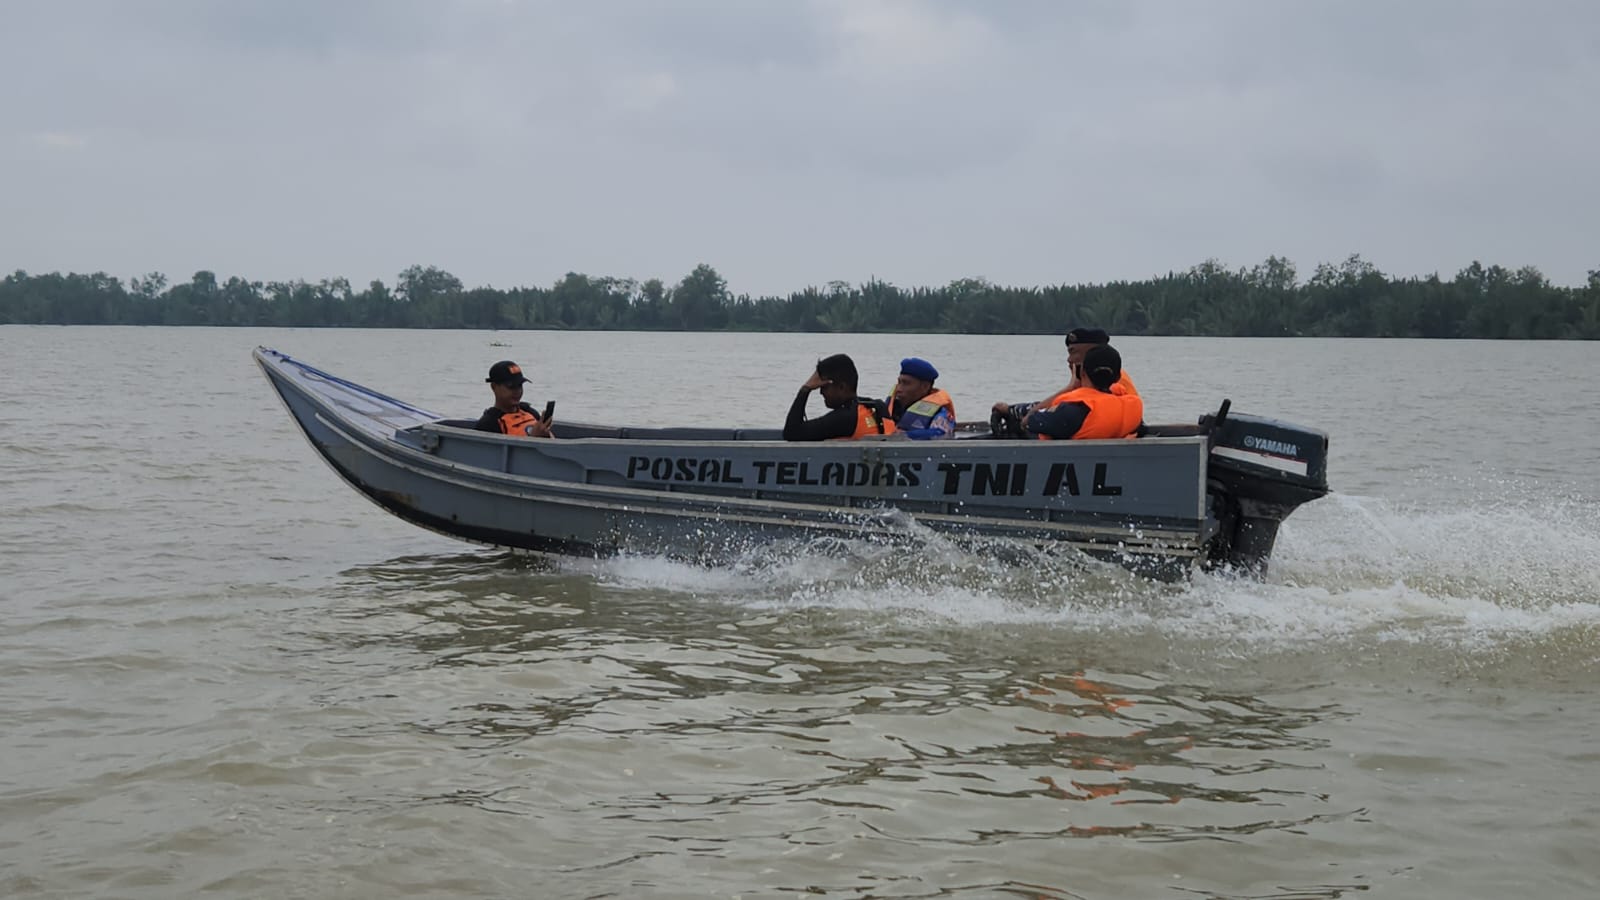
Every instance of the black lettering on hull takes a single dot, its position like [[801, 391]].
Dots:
[[952, 475], [999, 479], [1101, 488], [1061, 475]]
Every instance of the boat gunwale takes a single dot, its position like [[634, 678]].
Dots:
[[843, 446]]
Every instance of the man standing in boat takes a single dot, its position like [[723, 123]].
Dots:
[[509, 415], [918, 409], [848, 417]]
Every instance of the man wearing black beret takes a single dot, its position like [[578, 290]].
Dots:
[[1100, 409], [1079, 342]]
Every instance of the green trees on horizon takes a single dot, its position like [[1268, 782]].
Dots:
[[1348, 299]]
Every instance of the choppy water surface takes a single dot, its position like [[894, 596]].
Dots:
[[226, 674]]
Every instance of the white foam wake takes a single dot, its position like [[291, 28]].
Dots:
[[1346, 569]]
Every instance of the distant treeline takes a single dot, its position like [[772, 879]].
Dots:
[[1351, 299]]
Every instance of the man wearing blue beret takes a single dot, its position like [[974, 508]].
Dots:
[[920, 410]]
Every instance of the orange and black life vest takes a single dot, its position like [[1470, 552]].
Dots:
[[868, 422], [519, 422], [1111, 415]]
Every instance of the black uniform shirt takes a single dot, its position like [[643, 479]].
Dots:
[[835, 423]]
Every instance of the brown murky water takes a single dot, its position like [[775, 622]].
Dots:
[[226, 674]]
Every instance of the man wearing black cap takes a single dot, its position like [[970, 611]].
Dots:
[[921, 411], [509, 415]]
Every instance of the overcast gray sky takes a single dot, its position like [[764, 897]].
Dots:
[[793, 143]]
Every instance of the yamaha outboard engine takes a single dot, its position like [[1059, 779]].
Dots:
[[1260, 470]]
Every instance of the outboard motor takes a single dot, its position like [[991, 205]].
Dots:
[[1260, 470]]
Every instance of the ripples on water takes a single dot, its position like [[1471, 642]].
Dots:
[[659, 708], [802, 723]]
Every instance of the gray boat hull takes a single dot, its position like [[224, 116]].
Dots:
[[1151, 504]]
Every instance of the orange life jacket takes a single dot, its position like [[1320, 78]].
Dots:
[[868, 423], [519, 422], [1111, 415], [1127, 384]]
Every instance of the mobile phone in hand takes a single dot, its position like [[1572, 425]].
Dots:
[[549, 410]]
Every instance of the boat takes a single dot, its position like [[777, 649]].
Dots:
[[1178, 498]]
